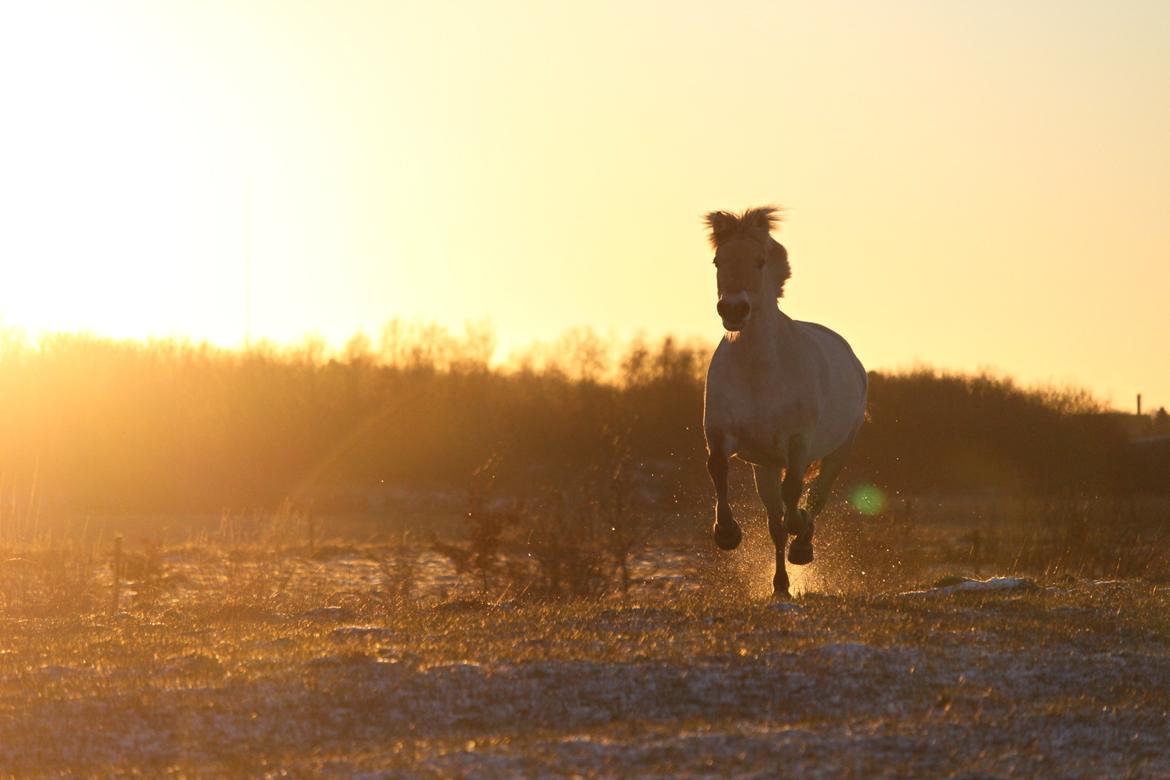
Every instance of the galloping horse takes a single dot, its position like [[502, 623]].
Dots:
[[780, 393]]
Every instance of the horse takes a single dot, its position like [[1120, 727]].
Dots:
[[780, 394]]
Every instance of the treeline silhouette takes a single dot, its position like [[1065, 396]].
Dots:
[[95, 425]]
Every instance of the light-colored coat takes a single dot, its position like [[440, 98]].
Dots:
[[783, 378], [780, 394]]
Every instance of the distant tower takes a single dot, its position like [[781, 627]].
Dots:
[[1139, 404]]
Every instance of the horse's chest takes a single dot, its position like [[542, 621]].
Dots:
[[761, 425], [761, 446]]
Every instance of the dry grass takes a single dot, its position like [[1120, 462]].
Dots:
[[245, 659]]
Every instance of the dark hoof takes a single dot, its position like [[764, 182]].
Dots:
[[781, 595], [727, 535], [780, 585], [800, 553]]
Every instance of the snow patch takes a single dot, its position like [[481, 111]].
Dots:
[[964, 585], [361, 632], [328, 613]]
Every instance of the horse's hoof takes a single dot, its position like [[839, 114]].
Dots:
[[801, 552], [727, 535], [781, 595]]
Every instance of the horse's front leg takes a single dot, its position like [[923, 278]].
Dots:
[[796, 520], [726, 531], [768, 488]]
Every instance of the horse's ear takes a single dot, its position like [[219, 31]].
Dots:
[[762, 218], [722, 224]]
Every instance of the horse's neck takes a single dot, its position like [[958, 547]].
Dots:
[[770, 338]]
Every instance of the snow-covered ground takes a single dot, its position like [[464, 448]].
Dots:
[[308, 667]]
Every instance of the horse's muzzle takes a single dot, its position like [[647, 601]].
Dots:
[[733, 313]]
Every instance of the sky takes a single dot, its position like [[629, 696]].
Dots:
[[968, 185]]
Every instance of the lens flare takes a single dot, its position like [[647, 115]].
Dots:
[[868, 499]]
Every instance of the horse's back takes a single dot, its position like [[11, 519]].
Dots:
[[843, 387]]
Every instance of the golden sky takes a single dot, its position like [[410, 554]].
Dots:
[[968, 184]]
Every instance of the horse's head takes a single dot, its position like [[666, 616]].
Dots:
[[750, 266]]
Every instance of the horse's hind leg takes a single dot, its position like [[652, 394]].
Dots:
[[768, 488], [801, 551], [831, 466], [797, 521], [726, 531]]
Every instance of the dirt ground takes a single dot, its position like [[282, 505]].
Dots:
[[219, 663]]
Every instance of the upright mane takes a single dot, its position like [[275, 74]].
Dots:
[[756, 223]]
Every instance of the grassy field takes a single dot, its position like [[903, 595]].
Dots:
[[378, 660]]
